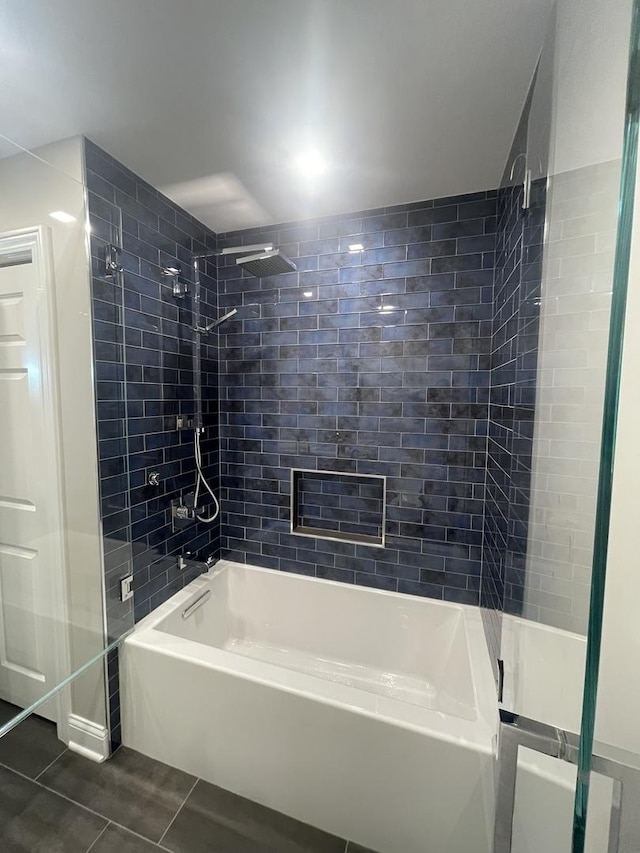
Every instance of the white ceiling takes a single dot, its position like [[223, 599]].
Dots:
[[212, 99]]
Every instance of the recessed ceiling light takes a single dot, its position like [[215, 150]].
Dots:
[[308, 293], [356, 247], [62, 216], [310, 163]]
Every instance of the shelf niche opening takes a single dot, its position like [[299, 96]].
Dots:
[[340, 506]]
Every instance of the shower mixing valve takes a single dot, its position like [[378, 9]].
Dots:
[[184, 511], [183, 422]]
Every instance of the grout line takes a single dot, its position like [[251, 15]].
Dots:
[[64, 751], [171, 822], [95, 841], [137, 835]]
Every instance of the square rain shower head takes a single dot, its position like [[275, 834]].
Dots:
[[271, 262]]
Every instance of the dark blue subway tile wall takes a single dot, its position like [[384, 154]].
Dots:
[[524, 397], [514, 354], [144, 374], [506, 302], [144, 379], [371, 362]]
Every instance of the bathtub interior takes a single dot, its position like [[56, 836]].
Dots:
[[412, 650]]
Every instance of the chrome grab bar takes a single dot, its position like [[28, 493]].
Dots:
[[197, 603]]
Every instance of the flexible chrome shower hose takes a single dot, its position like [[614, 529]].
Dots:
[[207, 519]]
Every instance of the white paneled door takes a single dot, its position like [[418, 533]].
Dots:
[[31, 543]]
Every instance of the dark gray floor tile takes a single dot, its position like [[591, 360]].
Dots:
[[215, 821], [7, 711], [355, 848], [117, 840], [130, 789], [31, 746], [34, 820]]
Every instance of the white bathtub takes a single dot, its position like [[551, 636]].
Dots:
[[367, 714]]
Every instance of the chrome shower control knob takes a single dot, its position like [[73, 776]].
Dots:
[[154, 478]]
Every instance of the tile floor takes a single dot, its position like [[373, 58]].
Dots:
[[54, 800]]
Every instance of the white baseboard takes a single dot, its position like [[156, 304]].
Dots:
[[88, 739]]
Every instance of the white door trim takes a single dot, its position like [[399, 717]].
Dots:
[[38, 240]]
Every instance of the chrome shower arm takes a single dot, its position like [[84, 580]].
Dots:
[[216, 323]]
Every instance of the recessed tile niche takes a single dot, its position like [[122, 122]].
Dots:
[[335, 505]]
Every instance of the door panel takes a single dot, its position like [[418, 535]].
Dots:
[[30, 488]]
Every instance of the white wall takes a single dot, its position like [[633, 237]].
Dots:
[[587, 119], [592, 46], [618, 717], [574, 319], [30, 189]]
